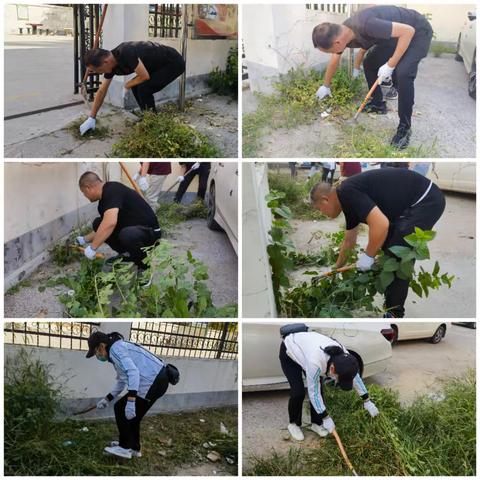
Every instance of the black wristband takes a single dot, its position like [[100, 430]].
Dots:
[[365, 396], [132, 393], [324, 415], [109, 397]]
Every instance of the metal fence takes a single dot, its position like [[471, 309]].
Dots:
[[69, 335], [165, 20], [192, 339], [328, 7]]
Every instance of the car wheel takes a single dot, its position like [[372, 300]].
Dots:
[[438, 335], [458, 57], [211, 208], [472, 82]]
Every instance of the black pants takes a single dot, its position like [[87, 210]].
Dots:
[[424, 215], [158, 80], [325, 172], [203, 171], [294, 373], [129, 430], [405, 72], [130, 240]]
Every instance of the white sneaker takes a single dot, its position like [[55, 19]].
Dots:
[[136, 453], [119, 452], [296, 432], [318, 429]]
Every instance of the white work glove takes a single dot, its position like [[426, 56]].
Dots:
[[180, 179], [90, 253], [136, 177], [323, 92], [196, 166], [365, 262], [385, 73], [328, 424], [103, 403], [130, 409], [88, 124], [356, 72], [371, 408], [143, 184], [81, 241]]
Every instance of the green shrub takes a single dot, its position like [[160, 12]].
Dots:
[[438, 49], [225, 82]]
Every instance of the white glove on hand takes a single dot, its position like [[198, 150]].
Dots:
[[130, 409], [323, 92], [90, 253], [365, 262], [385, 73], [88, 124], [356, 72], [136, 177], [196, 166], [103, 403], [143, 184], [371, 408], [81, 241], [328, 424], [180, 179]]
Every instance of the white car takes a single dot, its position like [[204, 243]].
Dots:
[[467, 51], [222, 200], [432, 331], [369, 342], [454, 176]]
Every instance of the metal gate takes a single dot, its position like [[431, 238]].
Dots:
[[85, 24]]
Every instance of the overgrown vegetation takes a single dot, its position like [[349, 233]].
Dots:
[[39, 443], [100, 132], [294, 103], [225, 82], [163, 135], [434, 436], [343, 294], [438, 49], [172, 286], [170, 214]]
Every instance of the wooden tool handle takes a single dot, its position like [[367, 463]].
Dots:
[[132, 181], [367, 98], [344, 453], [337, 270]]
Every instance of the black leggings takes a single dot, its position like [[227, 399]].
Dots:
[[129, 430], [424, 215], [158, 80], [405, 72], [131, 240], [203, 171], [294, 373]]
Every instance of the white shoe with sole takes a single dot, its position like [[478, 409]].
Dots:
[[119, 452], [296, 432], [318, 429], [136, 453]]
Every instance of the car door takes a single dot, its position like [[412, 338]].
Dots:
[[230, 209], [411, 330], [469, 41]]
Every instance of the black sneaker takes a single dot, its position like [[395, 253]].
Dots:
[[380, 109], [392, 93], [402, 138]]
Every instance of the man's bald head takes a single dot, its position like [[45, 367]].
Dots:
[[324, 198], [91, 186]]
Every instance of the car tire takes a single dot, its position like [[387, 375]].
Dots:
[[458, 57], [472, 81], [438, 335], [211, 209]]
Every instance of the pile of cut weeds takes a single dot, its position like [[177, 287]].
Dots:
[[434, 436], [171, 214], [100, 132]]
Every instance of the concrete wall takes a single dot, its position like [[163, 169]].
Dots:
[[55, 18], [203, 382], [279, 37], [130, 23], [258, 300], [446, 20]]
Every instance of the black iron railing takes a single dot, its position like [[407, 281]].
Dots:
[[328, 7]]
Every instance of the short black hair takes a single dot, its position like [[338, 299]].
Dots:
[[324, 34], [88, 178], [95, 56]]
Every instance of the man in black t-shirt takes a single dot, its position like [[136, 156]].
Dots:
[[396, 39], [392, 202], [127, 223], [155, 66]]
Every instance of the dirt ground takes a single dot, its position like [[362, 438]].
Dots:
[[443, 120], [45, 135], [455, 256], [416, 368], [212, 248]]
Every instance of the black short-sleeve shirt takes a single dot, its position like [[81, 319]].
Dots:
[[374, 25], [133, 210], [153, 55], [392, 190]]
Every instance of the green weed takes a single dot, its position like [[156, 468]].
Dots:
[[225, 82], [163, 135], [16, 288], [438, 49], [171, 214], [100, 132]]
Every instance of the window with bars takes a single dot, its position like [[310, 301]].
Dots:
[[69, 335], [165, 20], [328, 7], [198, 339]]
